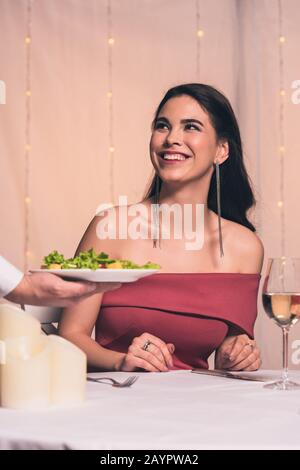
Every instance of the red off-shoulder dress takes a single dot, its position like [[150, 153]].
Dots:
[[191, 310]]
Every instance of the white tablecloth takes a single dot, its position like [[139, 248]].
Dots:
[[174, 410]]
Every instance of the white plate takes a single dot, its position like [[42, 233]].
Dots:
[[100, 275]]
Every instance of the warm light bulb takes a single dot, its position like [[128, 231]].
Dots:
[[28, 253], [109, 94], [281, 149], [111, 149], [27, 40], [111, 41], [282, 92], [280, 204], [27, 200], [200, 33], [282, 39], [27, 147], [28, 93]]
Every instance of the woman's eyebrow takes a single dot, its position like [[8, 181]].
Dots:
[[186, 121], [162, 119], [183, 121]]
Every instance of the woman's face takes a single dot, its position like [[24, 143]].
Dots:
[[183, 144]]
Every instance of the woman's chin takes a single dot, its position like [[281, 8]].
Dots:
[[173, 177]]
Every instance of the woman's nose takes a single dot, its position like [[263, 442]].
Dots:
[[174, 137]]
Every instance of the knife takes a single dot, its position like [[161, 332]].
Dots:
[[228, 375]]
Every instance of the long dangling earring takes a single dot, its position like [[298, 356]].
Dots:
[[219, 207], [156, 238]]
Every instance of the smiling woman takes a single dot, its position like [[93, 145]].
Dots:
[[186, 140], [209, 134], [201, 302]]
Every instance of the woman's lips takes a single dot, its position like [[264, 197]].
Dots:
[[172, 157]]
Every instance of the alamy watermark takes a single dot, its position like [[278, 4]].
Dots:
[[296, 352], [2, 92], [140, 221], [296, 93]]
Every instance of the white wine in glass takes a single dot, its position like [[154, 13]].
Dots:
[[281, 300]]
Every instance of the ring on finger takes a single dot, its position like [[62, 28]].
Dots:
[[146, 345], [251, 345]]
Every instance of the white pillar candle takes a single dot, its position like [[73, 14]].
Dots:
[[15, 322], [25, 372], [37, 370], [68, 372]]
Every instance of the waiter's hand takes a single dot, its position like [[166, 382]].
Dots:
[[50, 290]]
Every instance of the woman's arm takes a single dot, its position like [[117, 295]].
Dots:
[[238, 351], [77, 325], [77, 322]]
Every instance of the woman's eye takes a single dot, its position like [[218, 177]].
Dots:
[[161, 125], [192, 127]]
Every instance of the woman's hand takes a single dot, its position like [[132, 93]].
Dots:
[[238, 353], [149, 353]]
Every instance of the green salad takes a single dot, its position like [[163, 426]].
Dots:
[[91, 260]]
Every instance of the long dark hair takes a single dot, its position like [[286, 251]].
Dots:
[[236, 192]]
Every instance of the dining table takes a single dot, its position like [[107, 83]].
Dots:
[[168, 410]]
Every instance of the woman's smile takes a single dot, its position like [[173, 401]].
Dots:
[[169, 156]]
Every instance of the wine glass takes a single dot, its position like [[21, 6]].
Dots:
[[281, 300]]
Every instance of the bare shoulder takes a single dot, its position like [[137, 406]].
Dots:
[[108, 230], [246, 248], [102, 233]]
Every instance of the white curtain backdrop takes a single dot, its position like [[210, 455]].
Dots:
[[155, 48]]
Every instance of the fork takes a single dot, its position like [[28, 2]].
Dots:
[[115, 383]]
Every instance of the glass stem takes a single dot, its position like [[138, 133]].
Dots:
[[285, 359]]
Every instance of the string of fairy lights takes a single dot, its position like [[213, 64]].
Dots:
[[199, 35], [282, 149], [256, 38], [110, 97], [28, 94]]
